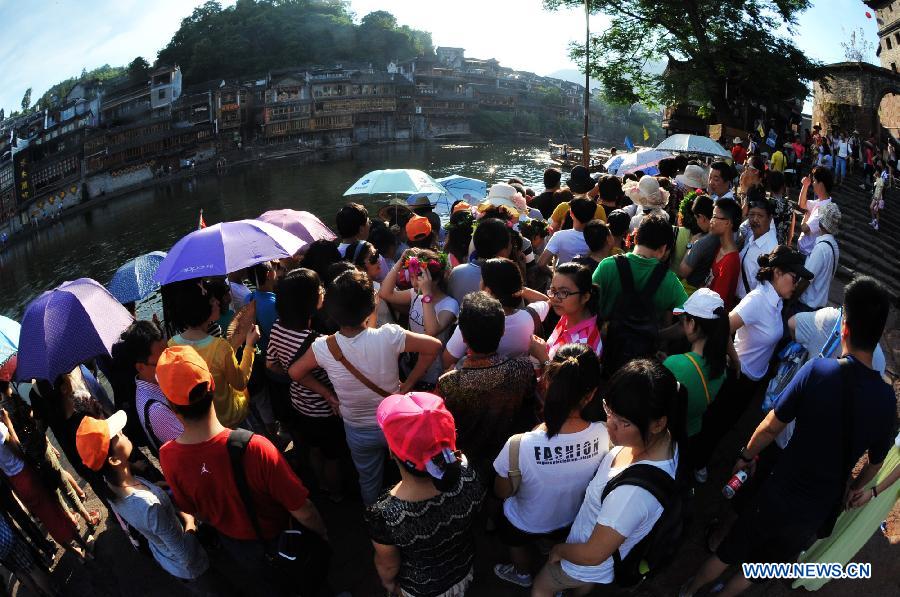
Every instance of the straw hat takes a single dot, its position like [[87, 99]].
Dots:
[[694, 177], [501, 194], [646, 193]]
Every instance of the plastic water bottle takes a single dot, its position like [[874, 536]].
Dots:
[[734, 484]]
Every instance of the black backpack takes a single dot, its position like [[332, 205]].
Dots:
[[633, 327], [658, 548]]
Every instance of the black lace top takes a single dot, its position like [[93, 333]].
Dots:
[[434, 536]]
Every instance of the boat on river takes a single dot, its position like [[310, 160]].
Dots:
[[567, 157]]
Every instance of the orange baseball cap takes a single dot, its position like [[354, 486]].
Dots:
[[418, 228], [93, 437], [462, 205], [179, 370]]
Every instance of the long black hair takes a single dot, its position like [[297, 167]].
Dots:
[[718, 334], [572, 376]]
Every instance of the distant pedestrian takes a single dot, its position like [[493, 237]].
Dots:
[[877, 203]]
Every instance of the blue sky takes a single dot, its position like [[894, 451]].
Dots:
[[45, 41]]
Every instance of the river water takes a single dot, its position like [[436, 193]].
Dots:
[[95, 243]]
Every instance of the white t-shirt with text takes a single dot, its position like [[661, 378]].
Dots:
[[555, 474]]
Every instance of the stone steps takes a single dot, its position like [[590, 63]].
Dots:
[[864, 250]]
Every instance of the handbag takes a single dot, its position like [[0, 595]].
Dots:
[[301, 556], [338, 356]]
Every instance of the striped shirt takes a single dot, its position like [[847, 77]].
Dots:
[[282, 349], [163, 423]]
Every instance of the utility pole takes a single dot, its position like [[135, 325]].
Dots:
[[585, 141]]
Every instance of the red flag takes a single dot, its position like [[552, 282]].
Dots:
[[868, 15], [202, 223]]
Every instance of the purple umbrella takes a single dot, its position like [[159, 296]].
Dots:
[[224, 248], [68, 325], [302, 224]]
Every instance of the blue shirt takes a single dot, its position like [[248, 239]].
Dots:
[[265, 315], [810, 472]]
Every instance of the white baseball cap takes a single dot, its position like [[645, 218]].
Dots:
[[703, 304]]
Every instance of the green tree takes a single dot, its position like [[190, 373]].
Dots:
[[138, 70], [26, 101], [720, 52]]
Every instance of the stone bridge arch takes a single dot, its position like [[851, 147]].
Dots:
[[858, 95]]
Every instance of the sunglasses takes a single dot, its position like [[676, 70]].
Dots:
[[373, 259]]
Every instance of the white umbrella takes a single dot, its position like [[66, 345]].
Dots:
[[398, 182], [644, 159], [698, 144]]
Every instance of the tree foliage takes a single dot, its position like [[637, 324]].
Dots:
[[26, 100], [254, 36], [138, 71], [720, 52]]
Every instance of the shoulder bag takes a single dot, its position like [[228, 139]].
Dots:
[[335, 350]]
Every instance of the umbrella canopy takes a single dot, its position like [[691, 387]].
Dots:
[[399, 182], [224, 248], [698, 144], [9, 346], [302, 224], [134, 280], [66, 326], [462, 188], [646, 160], [612, 164]]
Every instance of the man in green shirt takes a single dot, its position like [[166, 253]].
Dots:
[[654, 237]]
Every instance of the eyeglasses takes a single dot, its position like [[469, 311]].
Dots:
[[561, 293]]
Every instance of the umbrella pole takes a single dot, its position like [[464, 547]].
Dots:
[[585, 140]]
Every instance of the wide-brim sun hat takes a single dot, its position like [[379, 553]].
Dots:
[[694, 177], [501, 194], [646, 192], [580, 181]]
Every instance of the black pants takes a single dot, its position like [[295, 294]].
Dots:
[[731, 402]]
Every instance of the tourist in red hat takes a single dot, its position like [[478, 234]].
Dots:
[[422, 527]]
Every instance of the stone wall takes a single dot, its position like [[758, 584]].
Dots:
[[849, 95]]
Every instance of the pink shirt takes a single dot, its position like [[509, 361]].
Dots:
[[584, 332]]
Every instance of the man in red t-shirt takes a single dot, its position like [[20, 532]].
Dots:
[[197, 467], [738, 152]]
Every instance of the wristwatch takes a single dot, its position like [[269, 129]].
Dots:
[[741, 455], [426, 298]]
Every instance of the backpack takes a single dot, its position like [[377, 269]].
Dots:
[[660, 545], [633, 328]]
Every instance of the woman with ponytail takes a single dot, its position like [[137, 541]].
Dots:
[[645, 422], [702, 370], [422, 527], [552, 464], [573, 296]]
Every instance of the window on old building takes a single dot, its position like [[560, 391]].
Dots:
[[162, 92]]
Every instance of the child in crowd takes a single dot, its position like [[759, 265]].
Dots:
[[573, 296], [419, 282], [877, 198]]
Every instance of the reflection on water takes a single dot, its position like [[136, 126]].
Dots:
[[93, 244]]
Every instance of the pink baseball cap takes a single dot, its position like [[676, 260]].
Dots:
[[418, 427]]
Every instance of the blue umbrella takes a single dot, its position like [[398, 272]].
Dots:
[[463, 188], [134, 280], [9, 346]]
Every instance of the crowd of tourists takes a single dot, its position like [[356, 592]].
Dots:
[[557, 369]]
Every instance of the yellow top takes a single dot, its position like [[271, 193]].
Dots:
[[779, 162], [559, 214], [230, 396]]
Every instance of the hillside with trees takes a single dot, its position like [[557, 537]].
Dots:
[[255, 36]]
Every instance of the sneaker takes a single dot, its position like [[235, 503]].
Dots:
[[508, 573], [875, 225], [701, 475]]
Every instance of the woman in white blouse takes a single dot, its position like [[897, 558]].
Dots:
[[758, 328]]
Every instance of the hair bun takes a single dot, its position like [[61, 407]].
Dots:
[[764, 260]]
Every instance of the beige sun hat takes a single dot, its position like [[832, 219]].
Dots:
[[647, 192], [694, 177]]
